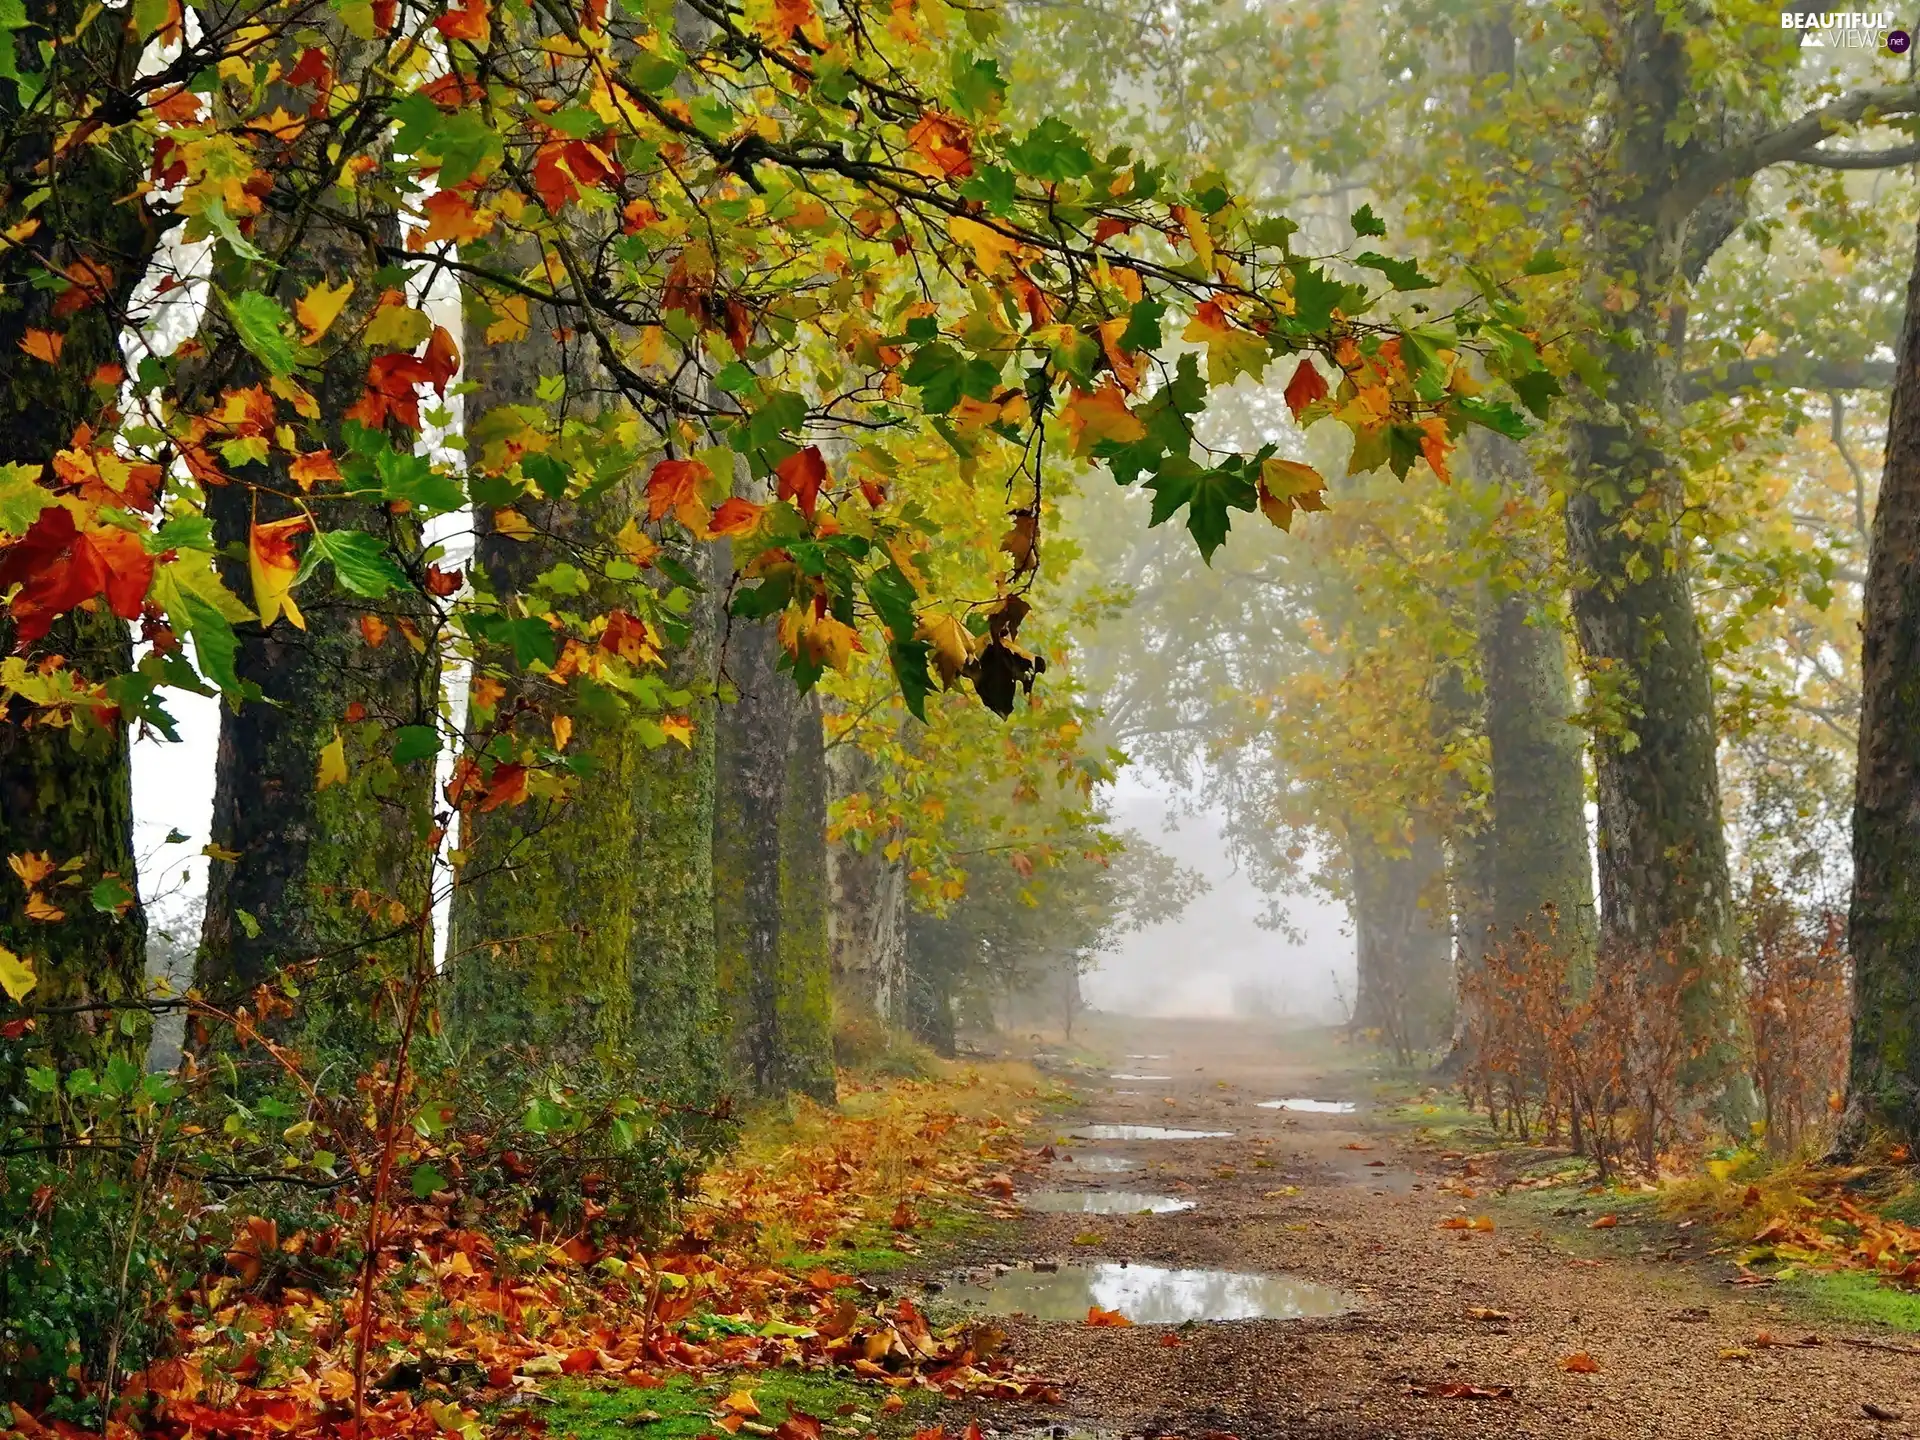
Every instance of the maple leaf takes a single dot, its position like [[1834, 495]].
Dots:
[[1231, 351], [1118, 359], [1434, 444], [313, 468], [990, 247], [801, 476], [944, 142], [43, 345], [1287, 486], [31, 867], [1580, 1363], [1102, 414], [16, 975], [468, 22], [678, 727], [273, 567], [452, 216], [1106, 1319], [506, 786], [59, 566], [672, 484], [333, 763], [1306, 387], [319, 308], [734, 516]]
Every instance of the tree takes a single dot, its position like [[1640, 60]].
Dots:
[[1883, 1079]]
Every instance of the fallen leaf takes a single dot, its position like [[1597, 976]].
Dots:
[[1605, 1222], [1108, 1319], [1580, 1363], [1482, 1313]]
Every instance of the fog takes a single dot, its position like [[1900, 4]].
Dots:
[[1215, 959]]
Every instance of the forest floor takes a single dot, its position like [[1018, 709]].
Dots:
[[1455, 1331]]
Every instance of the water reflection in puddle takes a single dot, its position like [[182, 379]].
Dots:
[[1102, 1164], [1150, 1294], [1102, 1202], [1312, 1107], [1139, 1077], [1146, 1132]]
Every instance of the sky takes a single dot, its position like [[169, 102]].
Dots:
[[1214, 959]]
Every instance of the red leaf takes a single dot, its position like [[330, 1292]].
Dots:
[[59, 566], [672, 483], [735, 517], [1306, 386], [507, 786], [802, 474]]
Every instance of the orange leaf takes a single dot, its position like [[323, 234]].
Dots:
[[313, 467], [373, 630], [1306, 387], [735, 516], [273, 565], [801, 476], [451, 216], [1581, 1363], [1106, 1319], [944, 143], [741, 1402], [507, 786], [672, 484], [469, 23], [1102, 415], [43, 345], [1605, 1222]]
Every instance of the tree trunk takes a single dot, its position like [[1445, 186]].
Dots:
[[1883, 1082], [867, 932], [1540, 866], [1405, 943], [66, 791], [582, 929], [769, 847], [330, 886], [1664, 879]]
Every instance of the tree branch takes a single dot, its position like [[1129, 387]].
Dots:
[[1798, 142], [1787, 372]]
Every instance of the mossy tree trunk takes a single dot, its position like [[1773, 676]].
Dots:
[[1403, 939], [329, 892], [770, 880], [582, 929], [1883, 1082], [1664, 881], [66, 792], [867, 918], [1539, 862]]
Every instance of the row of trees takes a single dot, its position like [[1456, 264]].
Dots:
[[1664, 583]]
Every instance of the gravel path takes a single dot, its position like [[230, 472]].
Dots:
[[1674, 1344]]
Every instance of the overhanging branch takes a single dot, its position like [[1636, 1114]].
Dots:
[[1798, 142], [1788, 372]]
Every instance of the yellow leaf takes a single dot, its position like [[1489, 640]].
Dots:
[[319, 308], [511, 322], [16, 975], [562, 731], [741, 1402], [1231, 351], [333, 763], [512, 524], [273, 566], [43, 345], [636, 544], [990, 248], [32, 868], [1102, 415], [398, 326]]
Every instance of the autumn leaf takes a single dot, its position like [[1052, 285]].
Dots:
[[1106, 1319], [990, 247], [43, 345], [678, 728], [319, 308], [672, 484], [333, 763], [741, 1402], [734, 516], [58, 566], [1231, 351], [452, 216], [1100, 415], [506, 786], [1287, 486], [944, 142], [1306, 387], [801, 476], [313, 468], [468, 23], [273, 567], [1580, 1363], [16, 975]]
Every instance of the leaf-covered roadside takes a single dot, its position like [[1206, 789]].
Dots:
[[470, 1318]]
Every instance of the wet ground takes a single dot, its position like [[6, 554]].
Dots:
[[1413, 1324]]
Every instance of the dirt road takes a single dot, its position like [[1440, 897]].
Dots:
[[1440, 1312]]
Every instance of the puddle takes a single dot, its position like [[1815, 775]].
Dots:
[[1146, 1132], [1311, 1107], [1146, 1057], [1102, 1202], [1150, 1295], [1139, 1077], [1103, 1164]]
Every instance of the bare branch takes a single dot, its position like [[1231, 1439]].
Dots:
[[1788, 372], [1798, 141]]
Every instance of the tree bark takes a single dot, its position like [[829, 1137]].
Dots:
[[1404, 940], [769, 845], [867, 920], [1883, 1081], [66, 792]]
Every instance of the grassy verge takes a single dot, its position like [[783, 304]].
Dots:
[[684, 1408]]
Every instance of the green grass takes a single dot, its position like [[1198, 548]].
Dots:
[[683, 1409], [870, 1252], [1850, 1295]]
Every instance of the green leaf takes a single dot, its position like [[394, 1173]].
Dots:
[[262, 327], [977, 84], [1545, 262], [111, 895], [1401, 274], [410, 477], [995, 187], [1536, 390], [1365, 222], [426, 1180], [910, 659], [415, 742], [892, 595], [247, 922], [22, 497], [1207, 495], [1143, 326], [1315, 293], [549, 474], [1494, 415], [361, 562], [1052, 151]]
